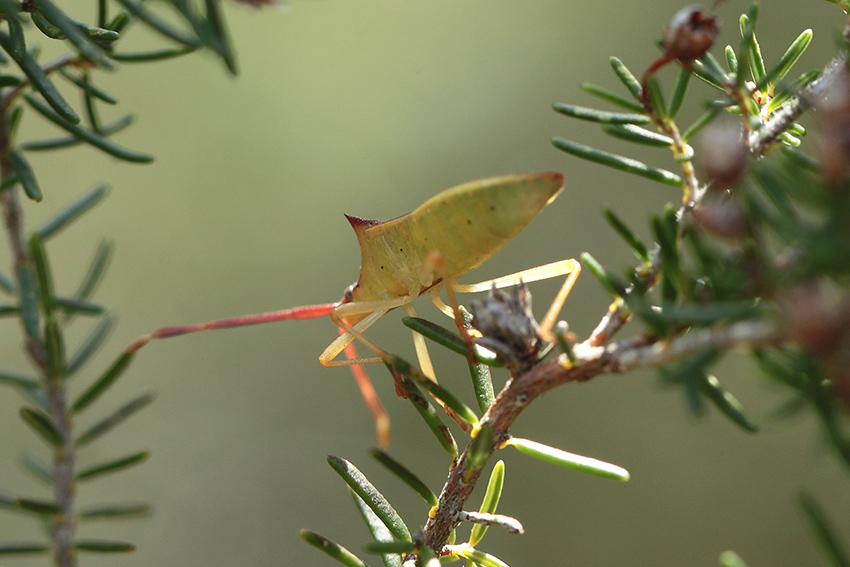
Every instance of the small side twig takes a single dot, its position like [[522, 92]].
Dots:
[[511, 525], [778, 122]]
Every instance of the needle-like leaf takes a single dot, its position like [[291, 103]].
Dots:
[[379, 531], [600, 116], [491, 501], [462, 410], [101, 384], [80, 41], [568, 460], [374, 499], [157, 24], [40, 507], [112, 466], [628, 165], [39, 81], [23, 548], [90, 345], [108, 423], [395, 547], [405, 475], [823, 530], [114, 511], [612, 97], [37, 468], [71, 212], [68, 141], [102, 546], [156, 55], [334, 550], [25, 175], [428, 413], [18, 380], [627, 78], [42, 425], [88, 136]]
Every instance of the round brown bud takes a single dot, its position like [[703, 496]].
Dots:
[[691, 33]]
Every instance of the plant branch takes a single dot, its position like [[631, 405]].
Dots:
[[778, 122], [591, 360], [62, 524]]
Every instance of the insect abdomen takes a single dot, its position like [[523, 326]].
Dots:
[[471, 222]]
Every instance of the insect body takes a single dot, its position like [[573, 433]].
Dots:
[[450, 234], [466, 225]]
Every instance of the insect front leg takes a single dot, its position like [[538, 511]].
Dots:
[[376, 310], [348, 333]]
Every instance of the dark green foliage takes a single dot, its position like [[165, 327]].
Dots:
[[101, 384], [34, 291], [407, 370], [332, 549], [405, 475], [358, 482], [112, 466], [71, 212], [380, 532], [100, 546], [823, 531], [112, 511], [42, 425], [89, 136]]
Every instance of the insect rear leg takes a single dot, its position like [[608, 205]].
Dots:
[[421, 349], [370, 396], [570, 268]]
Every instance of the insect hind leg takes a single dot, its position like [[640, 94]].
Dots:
[[571, 268]]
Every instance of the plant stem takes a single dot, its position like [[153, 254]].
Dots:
[[762, 139], [62, 526], [592, 361]]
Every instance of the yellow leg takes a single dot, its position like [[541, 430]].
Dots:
[[375, 310], [422, 355], [572, 268]]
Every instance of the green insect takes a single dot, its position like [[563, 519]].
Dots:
[[421, 252]]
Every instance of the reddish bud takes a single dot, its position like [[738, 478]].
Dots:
[[691, 34]]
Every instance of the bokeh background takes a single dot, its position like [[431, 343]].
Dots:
[[369, 108]]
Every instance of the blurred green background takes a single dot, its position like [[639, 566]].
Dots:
[[369, 108]]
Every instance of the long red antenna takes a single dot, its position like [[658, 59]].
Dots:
[[303, 312]]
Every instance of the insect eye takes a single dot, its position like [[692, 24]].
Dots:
[[348, 296]]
